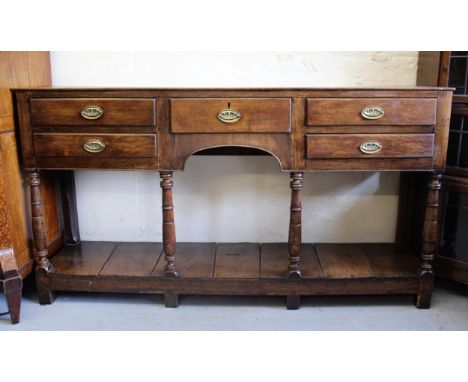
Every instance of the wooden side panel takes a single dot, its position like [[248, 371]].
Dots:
[[132, 259], [237, 260], [14, 198], [23, 69]]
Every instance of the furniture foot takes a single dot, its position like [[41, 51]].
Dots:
[[171, 300], [423, 301], [11, 283], [169, 236], [293, 302], [295, 228], [44, 294], [14, 305], [429, 245]]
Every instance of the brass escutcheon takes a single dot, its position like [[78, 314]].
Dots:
[[229, 115], [92, 112], [94, 146], [370, 147], [372, 112]]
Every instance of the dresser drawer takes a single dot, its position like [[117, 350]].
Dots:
[[95, 145], [334, 146], [92, 111], [371, 111], [231, 115]]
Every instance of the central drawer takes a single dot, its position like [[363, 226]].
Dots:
[[230, 115], [95, 145]]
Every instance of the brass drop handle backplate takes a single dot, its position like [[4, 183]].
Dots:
[[229, 115], [94, 146], [92, 112], [372, 112], [370, 147]]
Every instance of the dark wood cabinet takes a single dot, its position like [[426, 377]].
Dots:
[[304, 129], [451, 69]]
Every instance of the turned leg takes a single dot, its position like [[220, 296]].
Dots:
[[12, 283], [43, 266], [294, 242], [429, 245], [169, 237]]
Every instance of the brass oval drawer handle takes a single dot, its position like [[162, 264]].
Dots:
[[94, 146], [92, 112], [372, 112], [229, 115], [370, 147]]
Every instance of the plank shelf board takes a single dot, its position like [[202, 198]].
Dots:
[[235, 268]]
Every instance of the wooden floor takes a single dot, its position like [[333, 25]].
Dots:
[[235, 261]]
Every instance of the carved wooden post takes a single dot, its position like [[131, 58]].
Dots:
[[169, 236], [43, 266], [429, 245], [294, 241]]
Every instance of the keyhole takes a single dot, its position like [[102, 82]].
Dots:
[[229, 105]]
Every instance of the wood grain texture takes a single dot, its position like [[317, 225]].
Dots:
[[258, 115], [347, 111], [343, 261], [117, 112], [194, 260], [132, 259], [88, 258], [274, 261], [23, 69], [347, 146], [237, 260], [116, 145]]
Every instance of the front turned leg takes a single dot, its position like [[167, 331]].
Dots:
[[429, 245], [43, 266], [169, 236], [294, 241], [295, 228]]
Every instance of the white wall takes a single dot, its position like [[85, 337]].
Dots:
[[236, 198]]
